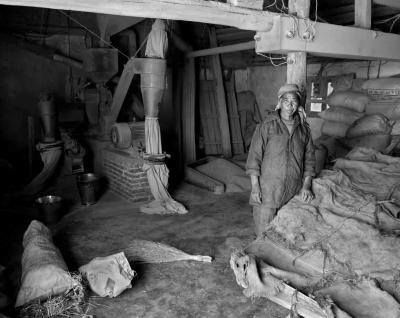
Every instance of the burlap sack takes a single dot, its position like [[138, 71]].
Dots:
[[334, 129], [340, 114], [108, 276], [44, 272], [370, 125], [352, 100]]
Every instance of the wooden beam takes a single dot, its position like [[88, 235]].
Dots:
[[31, 145], [201, 180], [297, 61], [223, 49], [362, 13], [220, 97], [395, 4], [187, 10], [121, 90], [251, 4], [330, 40], [188, 112], [362, 69]]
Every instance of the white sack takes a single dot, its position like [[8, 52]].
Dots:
[[157, 43], [44, 272], [108, 276]]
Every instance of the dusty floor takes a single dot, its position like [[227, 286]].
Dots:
[[179, 289]]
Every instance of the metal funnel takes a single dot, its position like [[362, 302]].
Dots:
[[152, 83]]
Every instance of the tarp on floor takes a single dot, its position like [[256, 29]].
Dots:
[[349, 232]]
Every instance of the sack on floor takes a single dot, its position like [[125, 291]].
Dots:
[[340, 114], [108, 276], [44, 272], [334, 129], [378, 142], [370, 125], [391, 109], [350, 99]]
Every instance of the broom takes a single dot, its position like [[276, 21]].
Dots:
[[141, 251]]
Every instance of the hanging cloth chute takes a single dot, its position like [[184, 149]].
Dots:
[[152, 87]]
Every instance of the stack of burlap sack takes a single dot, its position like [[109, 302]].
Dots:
[[354, 121], [385, 94]]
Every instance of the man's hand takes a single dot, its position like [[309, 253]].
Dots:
[[306, 195], [255, 195]]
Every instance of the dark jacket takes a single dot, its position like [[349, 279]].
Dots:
[[280, 159]]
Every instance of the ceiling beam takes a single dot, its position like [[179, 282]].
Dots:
[[212, 12], [223, 49], [330, 40]]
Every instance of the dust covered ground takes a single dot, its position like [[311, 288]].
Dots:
[[180, 289]]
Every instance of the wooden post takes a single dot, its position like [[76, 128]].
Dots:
[[221, 100], [31, 145], [188, 112], [362, 13], [297, 61]]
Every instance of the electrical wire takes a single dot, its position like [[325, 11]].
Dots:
[[271, 59], [388, 19], [393, 23], [93, 33], [271, 5], [395, 18]]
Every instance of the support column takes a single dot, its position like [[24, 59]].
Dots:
[[188, 111], [223, 119], [362, 13], [297, 61]]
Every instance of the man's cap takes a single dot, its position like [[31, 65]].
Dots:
[[289, 88]]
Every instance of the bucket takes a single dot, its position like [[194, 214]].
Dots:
[[50, 208], [88, 185]]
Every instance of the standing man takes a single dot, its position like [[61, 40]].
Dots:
[[281, 158]]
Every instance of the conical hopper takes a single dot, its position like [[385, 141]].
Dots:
[[152, 83]]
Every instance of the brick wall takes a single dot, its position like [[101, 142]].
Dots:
[[125, 176]]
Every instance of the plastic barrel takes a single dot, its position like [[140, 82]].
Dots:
[[88, 186], [50, 209]]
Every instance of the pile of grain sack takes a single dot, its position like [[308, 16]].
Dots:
[[367, 118]]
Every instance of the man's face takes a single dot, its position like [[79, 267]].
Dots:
[[289, 104]]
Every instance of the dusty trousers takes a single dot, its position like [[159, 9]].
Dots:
[[262, 216]]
